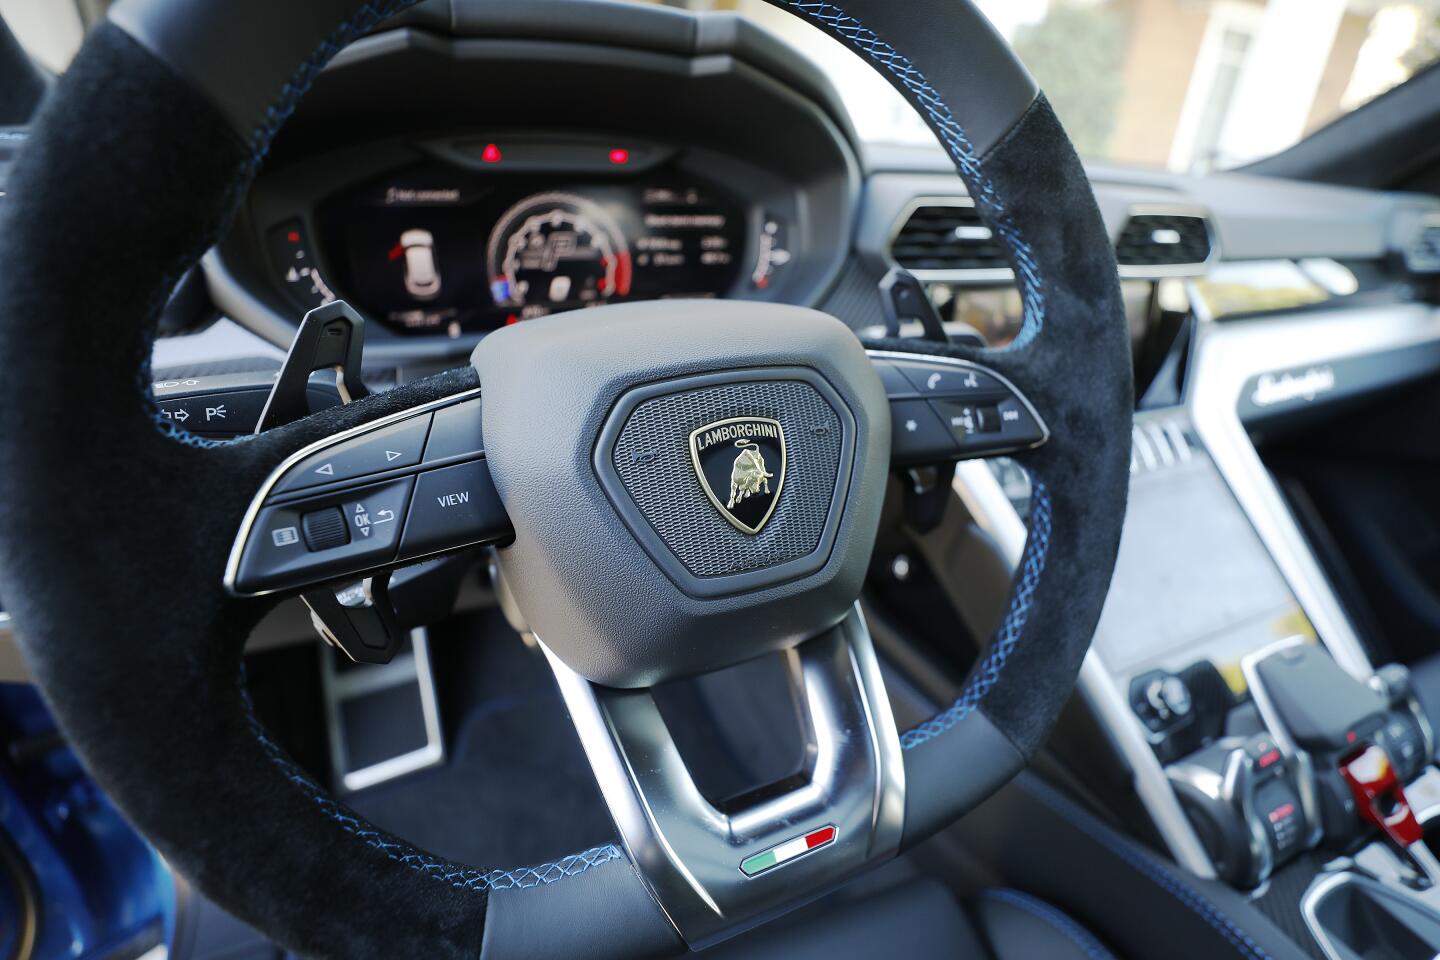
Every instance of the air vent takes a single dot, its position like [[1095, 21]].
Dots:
[[1163, 244], [1156, 444], [1422, 254], [948, 240]]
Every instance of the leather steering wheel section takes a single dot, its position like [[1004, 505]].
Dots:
[[115, 527]]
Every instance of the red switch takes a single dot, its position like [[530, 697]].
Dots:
[[1380, 796]]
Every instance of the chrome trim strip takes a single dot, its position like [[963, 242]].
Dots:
[[688, 852], [237, 549], [1227, 356], [1313, 896], [971, 365], [978, 489], [1378, 858]]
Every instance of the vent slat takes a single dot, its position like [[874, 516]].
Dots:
[[1163, 240], [947, 238], [1422, 255]]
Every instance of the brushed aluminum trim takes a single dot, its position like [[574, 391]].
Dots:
[[688, 852]]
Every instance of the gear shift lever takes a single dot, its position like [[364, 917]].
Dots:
[[1380, 800]]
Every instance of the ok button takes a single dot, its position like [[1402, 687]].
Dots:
[[453, 507]]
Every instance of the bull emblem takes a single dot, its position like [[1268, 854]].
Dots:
[[741, 451], [749, 476]]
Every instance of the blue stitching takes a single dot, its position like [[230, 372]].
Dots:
[[987, 198], [1063, 924], [1012, 628], [454, 875], [1194, 901], [261, 137], [867, 43], [299, 83]]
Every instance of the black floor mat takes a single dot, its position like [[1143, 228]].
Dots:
[[516, 788]]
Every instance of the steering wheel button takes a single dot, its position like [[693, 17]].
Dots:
[[296, 544], [389, 448], [325, 529], [949, 380], [987, 428], [917, 434], [453, 507], [456, 433], [896, 383], [225, 413]]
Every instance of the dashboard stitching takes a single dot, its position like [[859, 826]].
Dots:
[[1196, 902], [299, 83], [1063, 924], [928, 100], [1007, 637], [462, 878]]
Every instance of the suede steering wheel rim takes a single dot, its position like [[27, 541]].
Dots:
[[115, 525]]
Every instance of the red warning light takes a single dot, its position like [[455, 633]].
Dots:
[[491, 153], [619, 156], [293, 236]]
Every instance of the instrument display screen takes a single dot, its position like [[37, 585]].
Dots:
[[438, 249]]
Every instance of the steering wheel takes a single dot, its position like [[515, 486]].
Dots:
[[136, 558]]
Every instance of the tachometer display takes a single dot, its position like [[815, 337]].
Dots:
[[431, 248], [556, 251]]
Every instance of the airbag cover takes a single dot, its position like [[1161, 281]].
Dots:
[[626, 569]]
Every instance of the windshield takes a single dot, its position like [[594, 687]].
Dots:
[[1187, 85]]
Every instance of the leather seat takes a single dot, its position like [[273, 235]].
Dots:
[[919, 920]]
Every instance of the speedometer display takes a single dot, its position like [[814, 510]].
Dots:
[[556, 251], [441, 249]]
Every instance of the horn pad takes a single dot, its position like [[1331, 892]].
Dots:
[[730, 481], [692, 484]]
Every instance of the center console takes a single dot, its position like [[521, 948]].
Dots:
[[1266, 749]]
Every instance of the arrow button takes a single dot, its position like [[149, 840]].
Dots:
[[388, 448]]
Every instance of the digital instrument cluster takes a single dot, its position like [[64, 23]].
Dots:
[[438, 249]]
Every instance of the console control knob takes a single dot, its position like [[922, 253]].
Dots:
[[1160, 700], [1169, 697]]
